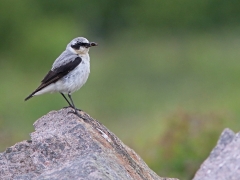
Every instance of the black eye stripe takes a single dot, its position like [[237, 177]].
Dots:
[[78, 44], [85, 44]]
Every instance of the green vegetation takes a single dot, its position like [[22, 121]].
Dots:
[[164, 78]]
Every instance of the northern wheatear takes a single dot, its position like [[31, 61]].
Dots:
[[69, 71]]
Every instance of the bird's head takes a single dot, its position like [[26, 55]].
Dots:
[[80, 45]]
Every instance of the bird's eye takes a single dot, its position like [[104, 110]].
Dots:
[[85, 44], [77, 45]]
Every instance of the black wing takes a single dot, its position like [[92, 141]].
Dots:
[[56, 74]]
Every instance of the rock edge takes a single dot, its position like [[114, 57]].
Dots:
[[65, 146]]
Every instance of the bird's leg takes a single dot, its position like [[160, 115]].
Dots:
[[70, 97], [76, 110], [70, 104], [67, 100]]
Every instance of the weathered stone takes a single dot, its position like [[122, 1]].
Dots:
[[65, 146], [224, 161]]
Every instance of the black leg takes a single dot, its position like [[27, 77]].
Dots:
[[67, 100], [70, 97], [73, 106]]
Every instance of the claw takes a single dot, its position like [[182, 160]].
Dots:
[[72, 107], [77, 114]]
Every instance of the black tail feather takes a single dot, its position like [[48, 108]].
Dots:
[[30, 96]]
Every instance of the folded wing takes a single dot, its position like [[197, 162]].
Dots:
[[56, 74]]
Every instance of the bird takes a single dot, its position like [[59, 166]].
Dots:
[[69, 71]]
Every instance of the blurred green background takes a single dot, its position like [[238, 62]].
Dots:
[[164, 78]]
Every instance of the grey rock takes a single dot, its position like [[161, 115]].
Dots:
[[65, 146], [224, 161]]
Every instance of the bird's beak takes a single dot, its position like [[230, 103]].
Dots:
[[93, 44]]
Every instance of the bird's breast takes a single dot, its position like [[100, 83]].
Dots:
[[75, 79]]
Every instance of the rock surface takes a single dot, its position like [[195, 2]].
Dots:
[[65, 146], [223, 162]]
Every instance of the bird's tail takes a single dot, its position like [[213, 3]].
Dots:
[[30, 96]]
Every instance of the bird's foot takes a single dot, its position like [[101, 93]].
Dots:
[[72, 107], [77, 114]]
